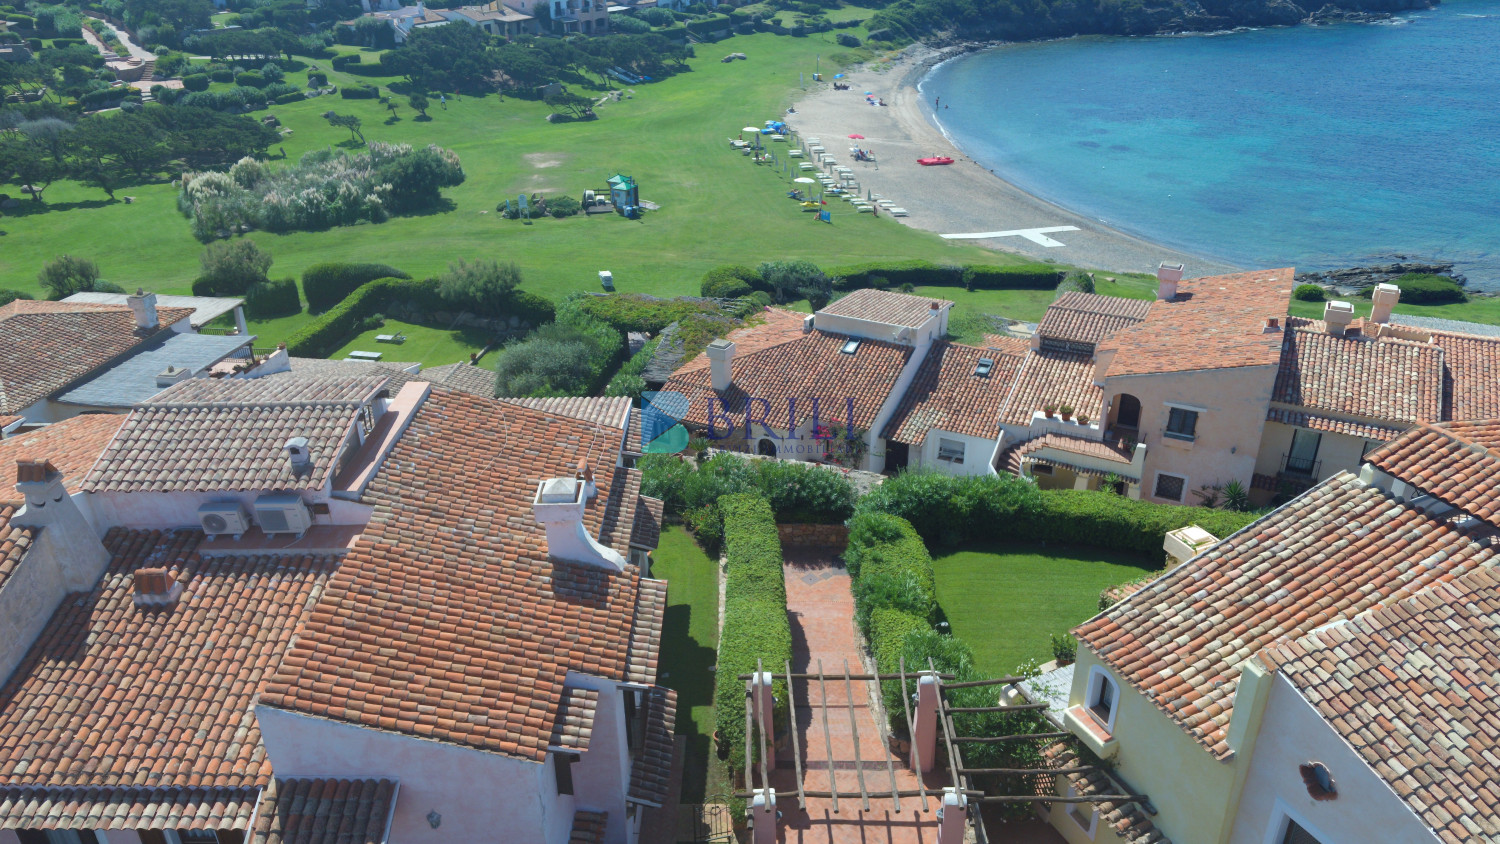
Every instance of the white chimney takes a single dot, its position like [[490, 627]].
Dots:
[[558, 507], [1337, 316], [807, 324], [173, 375], [1167, 278], [48, 504], [298, 455], [143, 304], [1385, 297], [720, 362]]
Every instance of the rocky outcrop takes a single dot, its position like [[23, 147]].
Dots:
[[1354, 279]]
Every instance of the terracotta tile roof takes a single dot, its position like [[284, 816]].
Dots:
[[1333, 553], [1214, 323], [1005, 345], [887, 307], [633, 443], [1413, 688], [812, 366], [1381, 379], [1471, 376], [588, 827], [574, 724], [1115, 453], [1049, 377], [465, 377], [14, 542], [83, 709], [649, 515], [1331, 424], [1458, 462], [1128, 820], [398, 372], [325, 811], [772, 327], [125, 808], [1088, 317], [50, 345], [651, 771], [947, 394], [448, 620], [227, 434], [72, 445], [596, 410], [7, 421]]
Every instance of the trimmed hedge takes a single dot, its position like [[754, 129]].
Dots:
[[291, 97], [1427, 289], [359, 92], [250, 79], [627, 312], [1086, 517], [890, 567], [969, 277], [1309, 293], [887, 637], [269, 299], [797, 492], [195, 82], [328, 283], [341, 62], [755, 619], [947, 510]]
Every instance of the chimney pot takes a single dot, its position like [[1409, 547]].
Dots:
[[1384, 297], [807, 324], [297, 453], [721, 364], [1336, 317], [156, 588], [934, 306], [143, 305], [34, 471], [1167, 277]]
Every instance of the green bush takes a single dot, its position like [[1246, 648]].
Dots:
[[847, 40], [317, 79], [640, 312], [359, 92], [1428, 289], [222, 74], [250, 79], [8, 296], [628, 381], [573, 356], [1107, 520], [731, 281], [948, 510], [563, 206], [755, 619], [195, 82], [889, 629], [797, 492], [290, 97], [890, 567], [328, 283], [342, 62], [895, 274], [1075, 281], [1309, 293], [270, 299]]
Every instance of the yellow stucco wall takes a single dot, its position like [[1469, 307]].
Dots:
[[1337, 452]]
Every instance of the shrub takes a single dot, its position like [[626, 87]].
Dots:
[[755, 621], [627, 25], [65, 275], [563, 206], [329, 283], [292, 97], [231, 268], [569, 357], [272, 72], [895, 273], [324, 335], [1110, 521], [342, 62], [890, 567], [731, 281], [195, 82], [317, 79], [1076, 281], [222, 74], [270, 299], [250, 79], [281, 89], [640, 312], [8, 296], [629, 381], [482, 287], [1428, 289], [887, 636], [796, 491], [948, 510], [359, 92], [792, 280], [1309, 293], [847, 40]]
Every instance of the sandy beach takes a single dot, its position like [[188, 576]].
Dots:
[[964, 197]]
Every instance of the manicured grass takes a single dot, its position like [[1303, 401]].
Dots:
[[717, 207], [424, 344], [1006, 600], [689, 650]]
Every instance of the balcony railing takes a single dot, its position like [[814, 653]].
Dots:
[[1302, 467]]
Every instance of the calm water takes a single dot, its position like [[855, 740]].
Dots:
[[1319, 146]]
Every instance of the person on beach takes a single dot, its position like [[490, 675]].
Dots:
[[935, 101]]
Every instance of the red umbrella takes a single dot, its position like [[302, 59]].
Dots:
[[858, 137]]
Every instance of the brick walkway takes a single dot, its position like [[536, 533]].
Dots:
[[822, 616]]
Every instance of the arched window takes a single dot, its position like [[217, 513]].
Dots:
[[765, 448], [1127, 411]]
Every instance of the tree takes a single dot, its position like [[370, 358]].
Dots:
[[802, 278], [484, 287], [390, 105], [65, 275], [579, 106], [347, 121], [416, 177], [419, 102], [37, 153], [231, 268], [108, 148]]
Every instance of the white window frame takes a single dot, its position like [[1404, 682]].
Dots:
[[1157, 482], [1097, 676], [1281, 813], [963, 449], [1069, 809]]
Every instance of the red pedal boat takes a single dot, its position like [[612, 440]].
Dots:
[[936, 159]]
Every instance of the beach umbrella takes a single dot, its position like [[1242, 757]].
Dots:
[[868, 93], [751, 129], [804, 180], [857, 137], [838, 76]]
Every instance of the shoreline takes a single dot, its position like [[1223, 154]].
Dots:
[[964, 197]]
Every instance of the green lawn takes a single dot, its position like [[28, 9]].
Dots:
[[425, 345], [689, 650], [1006, 600]]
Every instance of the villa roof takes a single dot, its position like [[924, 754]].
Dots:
[[1077, 445], [1053, 377], [605, 411], [1335, 552], [948, 394], [1332, 424], [574, 724], [651, 770], [1412, 687], [227, 434], [886, 306], [448, 619], [205, 309], [1217, 322], [82, 714], [1129, 821], [132, 379], [812, 366], [774, 327], [1471, 375], [50, 345], [1458, 462], [650, 515], [1089, 318], [1377, 378], [72, 445], [465, 377], [325, 811]]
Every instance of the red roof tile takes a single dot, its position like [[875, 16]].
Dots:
[[127, 808], [448, 620], [771, 327], [1129, 821], [51, 345], [1381, 379], [1049, 377], [1214, 323], [574, 724], [1317, 422], [1333, 553], [325, 811], [651, 770], [227, 434], [598, 410], [1471, 384], [1459, 462], [588, 827], [1413, 689], [947, 394], [1089, 318], [887, 307], [85, 706], [464, 377], [72, 446], [14, 542], [649, 516]]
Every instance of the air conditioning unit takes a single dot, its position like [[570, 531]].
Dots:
[[218, 517], [282, 513]]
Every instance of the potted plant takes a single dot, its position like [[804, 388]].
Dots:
[[1066, 412], [1049, 409], [1083, 419], [1064, 648]]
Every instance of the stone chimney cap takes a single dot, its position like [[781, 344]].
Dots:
[[156, 588], [34, 471], [140, 291], [935, 306]]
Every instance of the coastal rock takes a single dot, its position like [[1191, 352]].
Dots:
[[1352, 280]]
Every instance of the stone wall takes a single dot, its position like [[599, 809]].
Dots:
[[819, 536]]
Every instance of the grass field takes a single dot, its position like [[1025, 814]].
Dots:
[[1006, 600], [424, 344], [689, 650]]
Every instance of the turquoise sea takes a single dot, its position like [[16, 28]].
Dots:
[[1322, 147]]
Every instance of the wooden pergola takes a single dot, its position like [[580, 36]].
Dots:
[[934, 717]]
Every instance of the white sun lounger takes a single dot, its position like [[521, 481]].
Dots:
[[899, 212]]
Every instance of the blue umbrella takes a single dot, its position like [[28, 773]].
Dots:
[[838, 76]]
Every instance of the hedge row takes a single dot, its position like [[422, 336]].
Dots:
[[359, 92], [341, 62], [755, 619], [1107, 520], [329, 283], [270, 299], [919, 273]]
